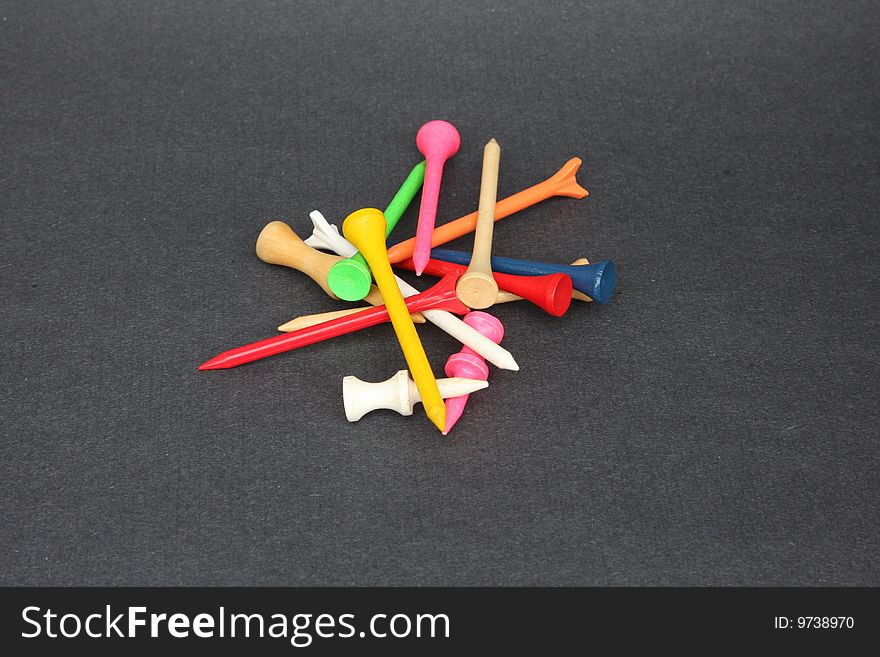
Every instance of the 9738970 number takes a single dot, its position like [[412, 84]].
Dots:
[[814, 622]]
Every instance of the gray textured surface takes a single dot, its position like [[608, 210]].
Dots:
[[716, 424]]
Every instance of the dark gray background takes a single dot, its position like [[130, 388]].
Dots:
[[717, 423]]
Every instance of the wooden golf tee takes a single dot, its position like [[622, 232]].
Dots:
[[468, 365], [277, 244], [561, 183], [477, 288], [399, 393], [365, 229]]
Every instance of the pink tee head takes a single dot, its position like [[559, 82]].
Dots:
[[468, 364], [437, 141]]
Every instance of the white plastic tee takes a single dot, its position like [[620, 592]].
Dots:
[[399, 393]]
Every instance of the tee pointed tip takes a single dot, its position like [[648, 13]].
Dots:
[[420, 261], [437, 415], [454, 410], [288, 326], [509, 363]]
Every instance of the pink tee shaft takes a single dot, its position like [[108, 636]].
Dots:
[[427, 214]]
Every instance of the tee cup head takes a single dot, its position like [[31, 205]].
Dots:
[[596, 280], [477, 290], [557, 294], [605, 285], [365, 228], [438, 140], [350, 279]]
